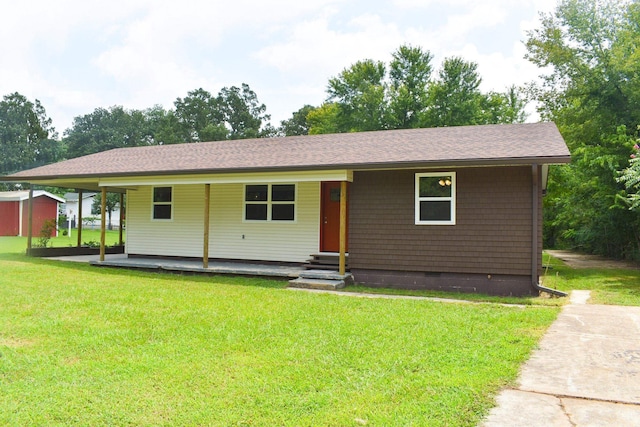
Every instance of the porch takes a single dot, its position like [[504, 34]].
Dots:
[[297, 274], [189, 265]]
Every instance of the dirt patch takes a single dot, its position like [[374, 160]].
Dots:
[[15, 342], [577, 260]]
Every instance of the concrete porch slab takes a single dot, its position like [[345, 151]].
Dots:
[[191, 266]]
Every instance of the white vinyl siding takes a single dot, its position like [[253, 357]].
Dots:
[[180, 237], [268, 241], [229, 235]]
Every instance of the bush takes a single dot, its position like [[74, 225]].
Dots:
[[46, 232]]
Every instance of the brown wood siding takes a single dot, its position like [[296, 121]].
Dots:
[[492, 234]]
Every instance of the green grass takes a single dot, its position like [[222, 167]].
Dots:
[[607, 286], [19, 244], [80, 345], [541, 301]]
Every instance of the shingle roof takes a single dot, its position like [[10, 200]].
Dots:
[[451, 146]]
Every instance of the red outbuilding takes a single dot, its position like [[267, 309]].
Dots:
[[14, 211]]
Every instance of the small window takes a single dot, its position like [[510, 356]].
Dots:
[[270, 202], [162, 203], [435, 198]]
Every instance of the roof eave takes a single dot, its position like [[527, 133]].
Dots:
[[540, 160]]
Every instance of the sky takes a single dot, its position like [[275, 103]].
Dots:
[[77, 55]]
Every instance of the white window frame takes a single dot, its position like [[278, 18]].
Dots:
[[154, 203], [269, 202], [451, 198]]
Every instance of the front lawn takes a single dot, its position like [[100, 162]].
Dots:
[[81, 345]]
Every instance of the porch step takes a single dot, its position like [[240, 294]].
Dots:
[[325, 275], [321, 279], [325, 262], [327, 285]]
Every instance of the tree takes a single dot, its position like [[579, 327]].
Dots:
[[243, 114], [164, 126], [359, 93], [506, 107], [324, 119], [455, 98], [200, 117], [298, 124], [410, 73], [592, 95], [235, 113], [106, 129], [27, 138], [112, 203]]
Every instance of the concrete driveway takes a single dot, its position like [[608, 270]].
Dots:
[[586, 372]]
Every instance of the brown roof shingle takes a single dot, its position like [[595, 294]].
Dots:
[[489, 144]]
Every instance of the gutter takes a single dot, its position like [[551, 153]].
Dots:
[[535, 281]]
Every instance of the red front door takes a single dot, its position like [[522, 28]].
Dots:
[[330, 217]]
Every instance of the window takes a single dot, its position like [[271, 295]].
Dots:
[[162, 203], [436, 198], [269, 202]]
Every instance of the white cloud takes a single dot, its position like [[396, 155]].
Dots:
[[75, 55], [314, 46]]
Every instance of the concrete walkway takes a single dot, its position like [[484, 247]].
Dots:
[[586, 372]]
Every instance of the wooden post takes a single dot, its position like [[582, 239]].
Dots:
[[343, 228], [79, 224], [205, 246], [121, 216], [30, 220], [103, 214]]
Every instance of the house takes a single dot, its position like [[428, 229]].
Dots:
[[71, 208], [454, 208], [14, 211]]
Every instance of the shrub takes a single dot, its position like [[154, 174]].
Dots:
[[46, 232]]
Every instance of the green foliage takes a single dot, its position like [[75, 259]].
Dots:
[[46, 233], [27, 138], [359, 92], [90, 220], [241, 111], [324, 119], [630, 177], [199, 117], [410, 73], [591, 93], [366, 97], [106, 129], [164, 126], [91, 243], [111, 204], [235, 113], [298, 124], [455, 97], [507, 107]]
